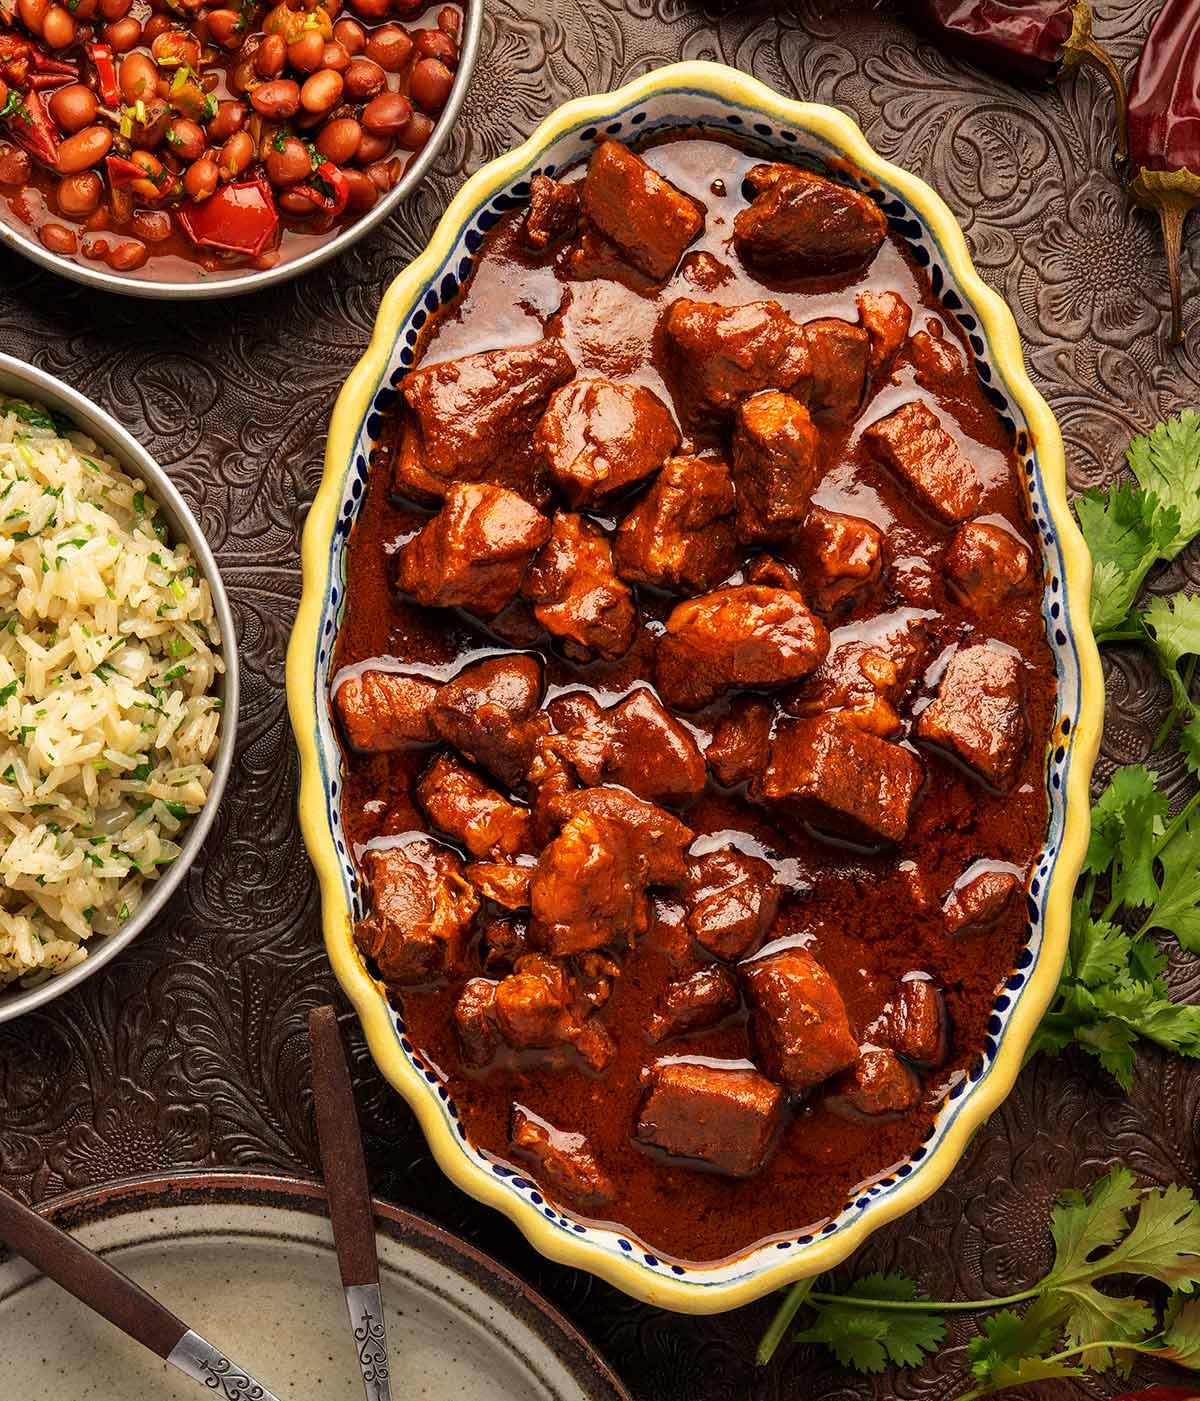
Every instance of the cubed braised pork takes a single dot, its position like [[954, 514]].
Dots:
[[648, 219], [553, 212], [720, 355], [775, 466], [696, 1002], [885, 317], [472, 419], [598, 438], [461, 804], [422, 906], [587, 890], [741, 745], [979, 901], [564, 1162], [986, 566], [800, 223], [680, 535], [656, 840], [538, 1007], [504, 941], [724, 1116], [475, 1023], [914, 443], [840, 556], [732, 899], [774, 573], [978, 714], [575, 591], [489, 712], [939, 363], [840, 354], [798, 1019], [502, 882], [867, 673], [637, 744], [842, 779], [744, 636], [474, 552], [385, 710], [916, 1026], [550, 776], [876, 1084]]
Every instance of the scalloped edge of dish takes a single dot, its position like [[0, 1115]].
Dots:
[[354, 402]]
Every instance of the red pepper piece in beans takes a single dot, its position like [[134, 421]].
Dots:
[[1162, 130], [1037, 40]]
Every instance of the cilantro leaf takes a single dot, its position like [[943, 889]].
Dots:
[[1099, 950], [1080, 1225], [1166, 462], [1177, 908], [1175, 625], [1126, 531], [1125, 821], [1009, 1338], [1181, 1332], [868, 1339]]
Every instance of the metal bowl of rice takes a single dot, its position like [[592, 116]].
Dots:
[[118, 688]]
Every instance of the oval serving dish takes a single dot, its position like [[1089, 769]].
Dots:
[[713, 99], [25, 381]]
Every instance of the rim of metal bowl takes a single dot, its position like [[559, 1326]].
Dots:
[[242, 282], [18, 376]]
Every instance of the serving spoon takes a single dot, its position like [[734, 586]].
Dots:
[[114, 1296]]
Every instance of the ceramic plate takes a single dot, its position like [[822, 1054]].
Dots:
[[249, 1263]]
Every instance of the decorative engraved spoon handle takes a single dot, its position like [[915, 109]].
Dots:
[[350, 1211], [114, 1296]]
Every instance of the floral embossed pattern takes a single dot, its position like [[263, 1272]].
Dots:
[[190, 1049]]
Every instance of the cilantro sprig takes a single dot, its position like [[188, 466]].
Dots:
[[1093, 1311]]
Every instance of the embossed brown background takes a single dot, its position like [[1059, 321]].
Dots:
[[190, 1049]]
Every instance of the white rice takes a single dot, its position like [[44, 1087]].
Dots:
[[107, 725]]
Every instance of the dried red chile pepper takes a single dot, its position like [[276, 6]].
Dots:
[[1036, 39], [1164, 131]]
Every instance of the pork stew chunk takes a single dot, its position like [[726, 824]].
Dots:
[[926, 457], [741, 745], [565, 1161], [798, 1019], [422, 907], [917, 1024], [461, 804], [986, 566], [471, 420], [474, 552], [885, 317], [978, 714], [680, 535], [841, 353], [385, 710], [696, 1002], [576, 593], [839, 556], [800, 223], [732, 899], [648, 219], [598, 438], [877, 1084], [842, 779], [775, 466], [489, 712], [978, 902], [720, 355], [723, 1116], [744, 636], [553, 212]]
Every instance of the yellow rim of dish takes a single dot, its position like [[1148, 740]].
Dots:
[[354, 402]]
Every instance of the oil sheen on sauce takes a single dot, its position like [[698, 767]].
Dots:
[[869, 919]]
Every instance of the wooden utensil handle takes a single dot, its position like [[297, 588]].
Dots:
[[91, 1279], [342, 1161]]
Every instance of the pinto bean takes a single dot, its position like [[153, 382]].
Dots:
[[151, 225], [364, 78], [229, 117], [338, 140], [436, 43], [371, 148], [122, 34], [386, 114], [111, 10], [186, 138], [430, 84], [389, 46], [126, 255], [58, 29], [74, 107], [277, 100], [236, 154], [322, 92], [335, 56], [200, 179], [416, 133], [58, 238], [350, 34], [361, 191], [138, 78], [78, 195], [271, 57], [33, 14], [287, 162], [223, 28], [156, 25], [84, 149], [305, 53], [371, 9], [293, 203]]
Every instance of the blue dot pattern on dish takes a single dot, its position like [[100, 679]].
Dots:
[[672, 111]]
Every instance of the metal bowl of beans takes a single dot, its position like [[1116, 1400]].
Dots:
[[193, 150]]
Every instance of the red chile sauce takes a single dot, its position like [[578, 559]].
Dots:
[[869, 919]]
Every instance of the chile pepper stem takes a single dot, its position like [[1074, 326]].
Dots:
[[1172, 214], [1082, 49]]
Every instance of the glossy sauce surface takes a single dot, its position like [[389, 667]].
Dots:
[[869, 918]]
